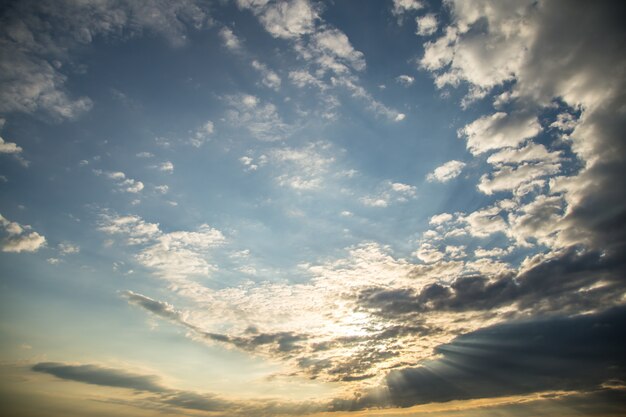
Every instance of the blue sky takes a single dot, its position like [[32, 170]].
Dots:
[[294, 207]]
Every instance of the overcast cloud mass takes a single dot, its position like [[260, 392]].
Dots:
[[298, 207]]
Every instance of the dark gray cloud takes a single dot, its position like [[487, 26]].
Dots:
[[98, 375], [160, 397], [158, 308], [578, 353], [560, 283], [119, 378]]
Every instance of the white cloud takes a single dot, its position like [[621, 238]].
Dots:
[[302, 78], [565, 121], [37, 39], [485, 222], [390, 192], [491, 253], [166, 166], [9, 147], [531, 152], [336, 43], [162, 189], [442, 218], [446, 172], [508, 178], [128, 185], [176, 256], [230, 40], [538, 221], [484, 59], [260, 120], [288, 19], [402, 6], [202, 134], [426, 25], [145, 155], [455, 251], [270, 78], [67, 248], [405, 80], [429, 253], [305, 168], [19, 238], [499, 130]]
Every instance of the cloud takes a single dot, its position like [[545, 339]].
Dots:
[[230, 40], [262, 121], [405, 80], [428, 253], [532, 152], [499, 130], [37, 39], [512, 178], [388, 193], [125, 184], [484, 222], [289, 19], [403, 6], [9, 147], [176, 256], [438, 219], [426, 25], [446, 172], [158, 308], [68, 248], [18, 238], [166, 166], [97, 375], [579, 353], [202, 134], [270, 78], [304, 168], [336, 43]]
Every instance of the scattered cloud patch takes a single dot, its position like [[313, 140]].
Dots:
[[446, 172], [426, 25], [405, 80], [19, 238], [123, 183]]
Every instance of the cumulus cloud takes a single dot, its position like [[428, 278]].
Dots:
[[166, 166], [499, 130], [426, 25], [336, 44], [230, 40], [405, 80], [289, 19], [270, 78], [9, 147], [123, 183], [261, 120], [176, 256], [303, 168], [19, 238], [202, 134], [388, 193], [67, 248], [402, 6], [512, 178], [446, 172]]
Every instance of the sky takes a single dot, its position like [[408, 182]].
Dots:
[[302, 207]]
